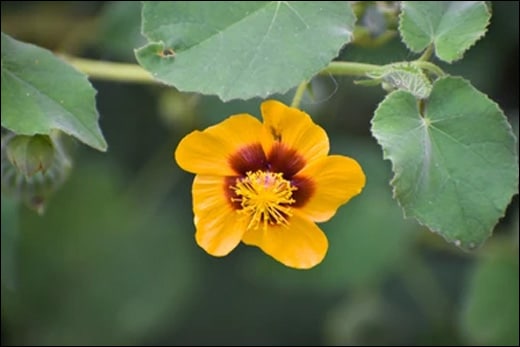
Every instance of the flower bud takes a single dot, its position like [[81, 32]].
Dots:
[[30, 154], [33, 168]]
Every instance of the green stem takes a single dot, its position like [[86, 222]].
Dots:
[[427, 54], [298, 95], [345, 68], [121, 72], [133, 73], [431, 67]]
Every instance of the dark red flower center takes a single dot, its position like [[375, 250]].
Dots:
[[280, 159]]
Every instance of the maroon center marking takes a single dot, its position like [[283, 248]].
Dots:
[[284, 159], [248, 158], [230, 193], [280, 159], [305, 189]]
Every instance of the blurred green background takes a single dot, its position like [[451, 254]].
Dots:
[[114, 261]]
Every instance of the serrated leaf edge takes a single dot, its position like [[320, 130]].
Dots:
[[265, 94], [409, 214], [461, 54]]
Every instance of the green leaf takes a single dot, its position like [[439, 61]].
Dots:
[[490, 313], [41, 93], [454, 159], [452, 26], [242, 49]]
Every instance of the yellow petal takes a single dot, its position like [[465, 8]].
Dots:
[[219, 230], [208, 152], [300, 244], [295, 129], [336, 179]]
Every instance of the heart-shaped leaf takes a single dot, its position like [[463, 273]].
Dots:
[[452, 26], [242, 49], [454, 158]]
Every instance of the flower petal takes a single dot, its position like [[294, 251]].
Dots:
[[301, 244], [336, 180], [219, 230], [208, 152], [295, 129]]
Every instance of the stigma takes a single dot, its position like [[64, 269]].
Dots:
[[265, 198]]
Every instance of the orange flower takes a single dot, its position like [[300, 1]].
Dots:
[[266, 184]]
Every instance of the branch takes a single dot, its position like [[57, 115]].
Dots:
[[105, 70]]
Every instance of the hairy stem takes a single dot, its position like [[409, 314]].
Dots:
[[133, 73], [430, 67], [105, 70], [346, 68], [427, 54]]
